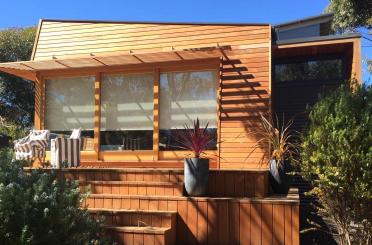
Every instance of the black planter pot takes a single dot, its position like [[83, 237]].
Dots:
[[196, 172], [279, 178]]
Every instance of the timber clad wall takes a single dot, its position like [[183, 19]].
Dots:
[[245, 68], [76, 40], [219, 220]]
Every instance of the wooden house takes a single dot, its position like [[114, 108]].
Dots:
[[129, 85]]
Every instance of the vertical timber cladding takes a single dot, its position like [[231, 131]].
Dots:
[[245, 74]]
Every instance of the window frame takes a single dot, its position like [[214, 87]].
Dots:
[[153, 116], [304, 59], [156, 68], [217, 104], [63, 133]]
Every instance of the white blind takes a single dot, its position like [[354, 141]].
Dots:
[[185, 96], [127, 102], [69, 103]]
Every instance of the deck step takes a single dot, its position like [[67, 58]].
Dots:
[[130, 235], [124, 174], [221, 183], [134, 188], [130, 217], [137, 164], [134, 202]]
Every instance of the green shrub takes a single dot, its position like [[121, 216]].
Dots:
[[39, 208], [11, 129], [337, 158]]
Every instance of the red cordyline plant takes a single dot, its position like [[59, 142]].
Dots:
[[195, 138]]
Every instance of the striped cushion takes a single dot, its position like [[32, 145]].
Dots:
[[27, 153], [33, 145], [65, 152]]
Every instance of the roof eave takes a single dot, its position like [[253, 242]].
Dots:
[[317, 39], [25, 74], [155, 22], [301, 21]]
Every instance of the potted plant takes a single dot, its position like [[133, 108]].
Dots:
[[282, 147], [196, 168]]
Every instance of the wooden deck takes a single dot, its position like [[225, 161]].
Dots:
[[222, 183], [177, 164], [138, 204]]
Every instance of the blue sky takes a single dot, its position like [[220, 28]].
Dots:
[[22, 13]]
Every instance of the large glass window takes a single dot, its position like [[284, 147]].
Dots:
[[127, 112], [298, 82], [309, 70], [70, 104], [185, 96]]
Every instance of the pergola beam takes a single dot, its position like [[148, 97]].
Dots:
[[28, 66], [60, 63], [99, 61], [179, 56], [130, 58], [135, 56]]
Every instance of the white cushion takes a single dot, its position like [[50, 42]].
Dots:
[[75, 133], [42, 136]]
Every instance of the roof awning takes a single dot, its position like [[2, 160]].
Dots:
[[28, 69]]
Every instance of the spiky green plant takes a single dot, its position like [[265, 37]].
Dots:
[[281, 140]]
